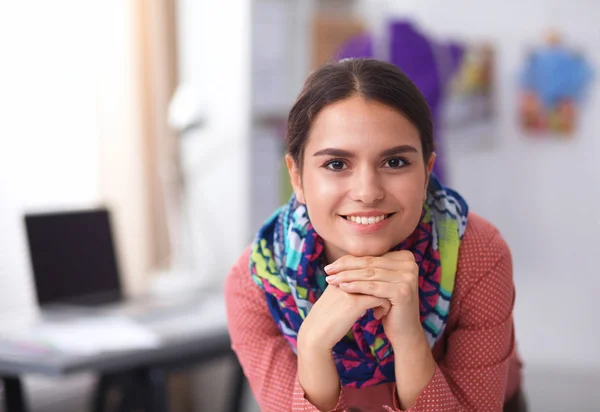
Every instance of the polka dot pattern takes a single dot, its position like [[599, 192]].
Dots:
[[477, 365]]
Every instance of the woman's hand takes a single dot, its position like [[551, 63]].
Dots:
[[393, 277], [332, 316], [328, 321]]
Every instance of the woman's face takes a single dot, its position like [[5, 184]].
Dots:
[[363, 179]]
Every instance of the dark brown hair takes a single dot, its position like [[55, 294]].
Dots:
[[369, 78]]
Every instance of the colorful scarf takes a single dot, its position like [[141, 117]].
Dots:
[[286, 263]]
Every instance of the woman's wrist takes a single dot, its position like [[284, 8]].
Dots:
[[414, 365], [412, 350], [410, 338], [312, 343], [313, 352], [312, 356], [317, 375]]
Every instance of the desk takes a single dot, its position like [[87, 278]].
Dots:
[[190, 335]]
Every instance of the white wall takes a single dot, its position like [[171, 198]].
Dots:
[[48, 142], [543, 195]]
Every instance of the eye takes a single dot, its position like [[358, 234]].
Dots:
[[335, 165], [396, 163]]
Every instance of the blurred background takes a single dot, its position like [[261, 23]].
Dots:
[[171, 113]]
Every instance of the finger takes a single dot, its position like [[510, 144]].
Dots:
[[403, 272], [383, 290], [369, 273], [349, 262]]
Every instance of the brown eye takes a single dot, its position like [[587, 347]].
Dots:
[[335, 165], [396, 163]]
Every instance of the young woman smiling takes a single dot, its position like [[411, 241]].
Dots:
[[374, 288]]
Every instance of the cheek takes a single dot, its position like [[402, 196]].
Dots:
[[410, 190], [322, 197], [409, 198], [320, 188]]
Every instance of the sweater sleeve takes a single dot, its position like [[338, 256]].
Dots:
[[472, 376], [267, 359]]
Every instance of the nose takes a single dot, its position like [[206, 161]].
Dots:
[[367, 186]]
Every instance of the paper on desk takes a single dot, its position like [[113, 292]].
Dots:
[[91, 336]]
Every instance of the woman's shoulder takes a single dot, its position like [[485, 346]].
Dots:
[[479, 230], [481, 250], [239, 276], [243, 262]]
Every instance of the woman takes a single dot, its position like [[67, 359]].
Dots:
[[373, 288]]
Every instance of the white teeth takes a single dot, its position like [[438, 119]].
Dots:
[[366, 220]]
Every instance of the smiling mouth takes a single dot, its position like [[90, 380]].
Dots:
[[371, 220]]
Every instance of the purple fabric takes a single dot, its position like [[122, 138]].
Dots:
[[430, 66], [357, 46]]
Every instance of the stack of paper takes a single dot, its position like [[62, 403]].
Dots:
[[92, 336]]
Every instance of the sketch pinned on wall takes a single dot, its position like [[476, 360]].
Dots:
[[470, 106], [553, 83]]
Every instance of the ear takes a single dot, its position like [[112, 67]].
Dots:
[[295, 178], [428, 170], [430, 164]]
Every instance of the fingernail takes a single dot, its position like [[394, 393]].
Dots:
[[328, 268], [343, 285], [331, 278]]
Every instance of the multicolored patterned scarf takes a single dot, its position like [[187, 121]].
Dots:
[[286, 263]]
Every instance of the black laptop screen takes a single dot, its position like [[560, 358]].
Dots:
[[73, 257]]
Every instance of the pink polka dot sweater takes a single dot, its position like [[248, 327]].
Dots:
[[477, 365]]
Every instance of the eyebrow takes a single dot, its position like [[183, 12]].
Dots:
[[388, 152]]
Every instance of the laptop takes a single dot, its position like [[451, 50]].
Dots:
[[76, 268]]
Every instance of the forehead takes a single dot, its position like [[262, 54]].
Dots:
[[361, 125]]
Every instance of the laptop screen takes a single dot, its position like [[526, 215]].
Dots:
[[73, 257]]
